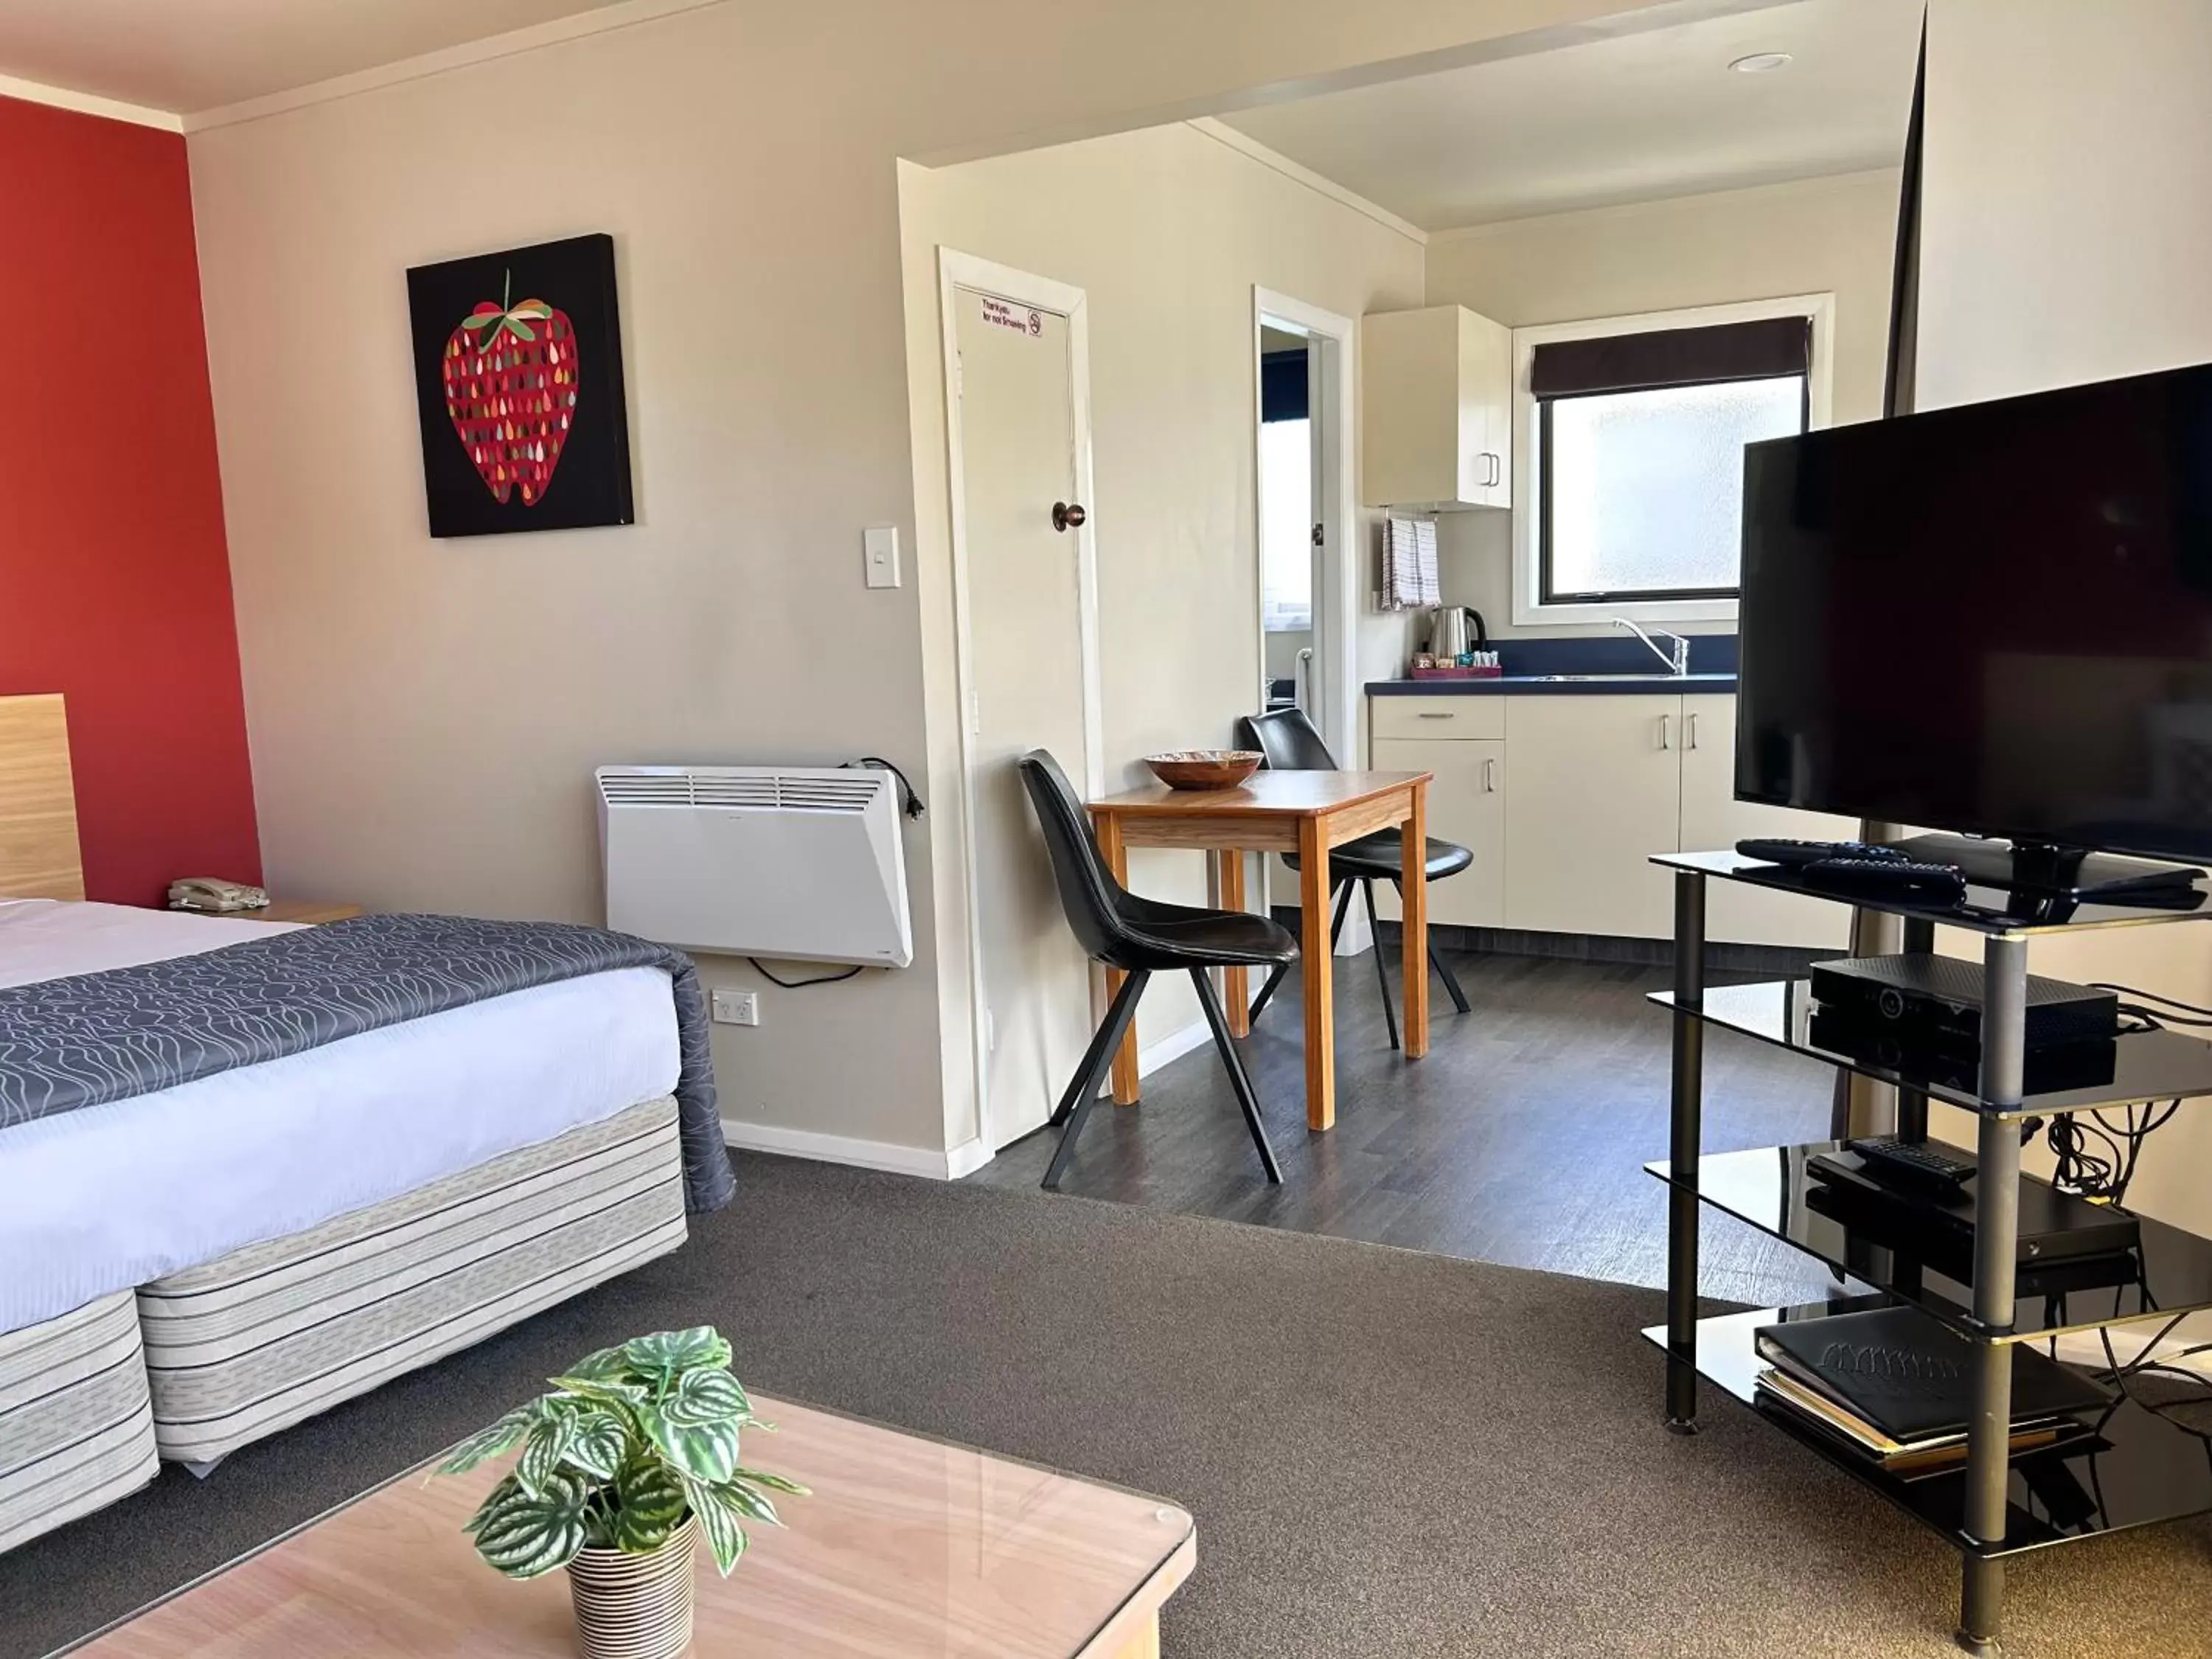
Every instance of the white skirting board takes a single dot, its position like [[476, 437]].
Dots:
[[951, 1165], [962, 1160]]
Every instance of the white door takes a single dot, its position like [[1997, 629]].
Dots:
[[1597, 791], [1014, 388], [1714, 820]]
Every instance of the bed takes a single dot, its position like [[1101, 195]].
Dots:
[[287, 1233]]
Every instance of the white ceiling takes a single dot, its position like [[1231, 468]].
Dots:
[[1633, 119], [187, 55]]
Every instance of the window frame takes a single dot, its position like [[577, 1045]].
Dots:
[[1532, 604]]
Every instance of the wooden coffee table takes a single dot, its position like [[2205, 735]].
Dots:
[[909, 1546]]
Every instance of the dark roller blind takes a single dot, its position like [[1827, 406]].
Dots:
[[1757, 350], [1283, 384]]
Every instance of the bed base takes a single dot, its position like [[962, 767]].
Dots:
[[278, 1331]]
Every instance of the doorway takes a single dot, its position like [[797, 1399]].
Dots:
[[1017, 379], [1291, 528], [1304, 510]]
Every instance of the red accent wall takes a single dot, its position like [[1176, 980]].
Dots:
[[114, 577]]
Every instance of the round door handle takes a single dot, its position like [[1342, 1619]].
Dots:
[[1067, 516]]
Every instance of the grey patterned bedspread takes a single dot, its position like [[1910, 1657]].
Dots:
[[69, 1043]]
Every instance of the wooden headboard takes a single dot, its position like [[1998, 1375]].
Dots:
[[38, 856]]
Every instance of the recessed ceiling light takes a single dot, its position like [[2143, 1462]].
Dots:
[[1761, 63]]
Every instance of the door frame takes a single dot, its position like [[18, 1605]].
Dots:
[[1336, 585], [955, 272]]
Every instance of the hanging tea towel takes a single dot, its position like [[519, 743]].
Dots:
[[1409, 564]]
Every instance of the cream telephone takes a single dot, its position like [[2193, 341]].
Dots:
[[213, 896]]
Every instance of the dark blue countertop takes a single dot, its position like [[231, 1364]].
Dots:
[[1525, 684], [1623, 664]]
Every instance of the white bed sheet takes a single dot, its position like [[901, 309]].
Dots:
[[97, 1200]]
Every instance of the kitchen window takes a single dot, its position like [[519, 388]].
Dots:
[[1636, 438]]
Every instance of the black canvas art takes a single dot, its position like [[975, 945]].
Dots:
[[519, 371]]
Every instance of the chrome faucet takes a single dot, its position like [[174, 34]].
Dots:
[[1677, 660]]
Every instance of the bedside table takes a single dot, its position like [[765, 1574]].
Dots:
[[301, 910]]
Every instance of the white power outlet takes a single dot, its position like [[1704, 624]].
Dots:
[[737, 1007]]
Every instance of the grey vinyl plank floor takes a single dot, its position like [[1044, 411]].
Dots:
[[1519, 1139]]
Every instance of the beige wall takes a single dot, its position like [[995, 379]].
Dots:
[[2068, 230], [424, 716], [1167, 231], [1824, 235]]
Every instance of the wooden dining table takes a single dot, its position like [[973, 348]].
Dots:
[[1302, 813]]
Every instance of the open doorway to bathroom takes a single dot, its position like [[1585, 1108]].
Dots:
[[1305, 525], [1289, 520]]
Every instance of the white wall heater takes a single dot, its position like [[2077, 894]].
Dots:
[[799, 863]]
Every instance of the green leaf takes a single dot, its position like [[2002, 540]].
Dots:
[[705, 1451], [602, 1365], [488, 1441], [532, 308], [666, 1352], [523, 1534], [649, 1503], [772, 1482], [548, 1442], [520, 330], [601, 1439], [484, 320], [719, 1519], [705, 1396], [748, 1503], [610, 1390]]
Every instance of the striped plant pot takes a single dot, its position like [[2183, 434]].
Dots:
[[635, 1607]]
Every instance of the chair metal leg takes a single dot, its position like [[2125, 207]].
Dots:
[[1451, 984], [1443, 972], [1382, 973], [1239, 1080], [1267, 991], [1082, 1093]]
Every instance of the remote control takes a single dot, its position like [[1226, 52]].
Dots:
[[1930, 1162], [1792, 853], [1900, 881]]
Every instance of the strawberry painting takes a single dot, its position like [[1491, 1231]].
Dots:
[[521, 397], [511, 382]]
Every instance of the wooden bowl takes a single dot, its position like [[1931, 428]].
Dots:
[[1205, 768]]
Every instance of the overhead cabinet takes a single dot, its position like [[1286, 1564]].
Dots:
[[1436, 390]]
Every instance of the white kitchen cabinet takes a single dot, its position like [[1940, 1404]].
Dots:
[[1596, 789], [1436, 389], [1713, 820], [1467, 804]]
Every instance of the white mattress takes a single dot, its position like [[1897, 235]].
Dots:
[[113, 1196]]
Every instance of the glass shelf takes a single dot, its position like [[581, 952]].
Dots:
[[1772, 1189], [2136, 1471], [2145, 1065], [1997, 910]]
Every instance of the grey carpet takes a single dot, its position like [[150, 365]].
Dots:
[[1388, 1453]]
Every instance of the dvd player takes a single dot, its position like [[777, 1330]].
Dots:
[[1937, 1001], [1938, 1228], [1927, 1062]]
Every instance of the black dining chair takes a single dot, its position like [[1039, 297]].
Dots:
[[1291, 743], [1141, 937]]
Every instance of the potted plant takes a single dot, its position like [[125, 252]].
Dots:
[[632, 1455]]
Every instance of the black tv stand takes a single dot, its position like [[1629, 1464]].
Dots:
[[2043, 868]]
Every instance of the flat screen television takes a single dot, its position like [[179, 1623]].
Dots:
[[1994, 619]]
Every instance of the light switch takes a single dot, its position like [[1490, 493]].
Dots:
[[879, 542]]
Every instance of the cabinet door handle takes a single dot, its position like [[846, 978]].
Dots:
[[1691, 722], [1666, 731], [1438, 717], [1494, 470], [1489, 777]]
